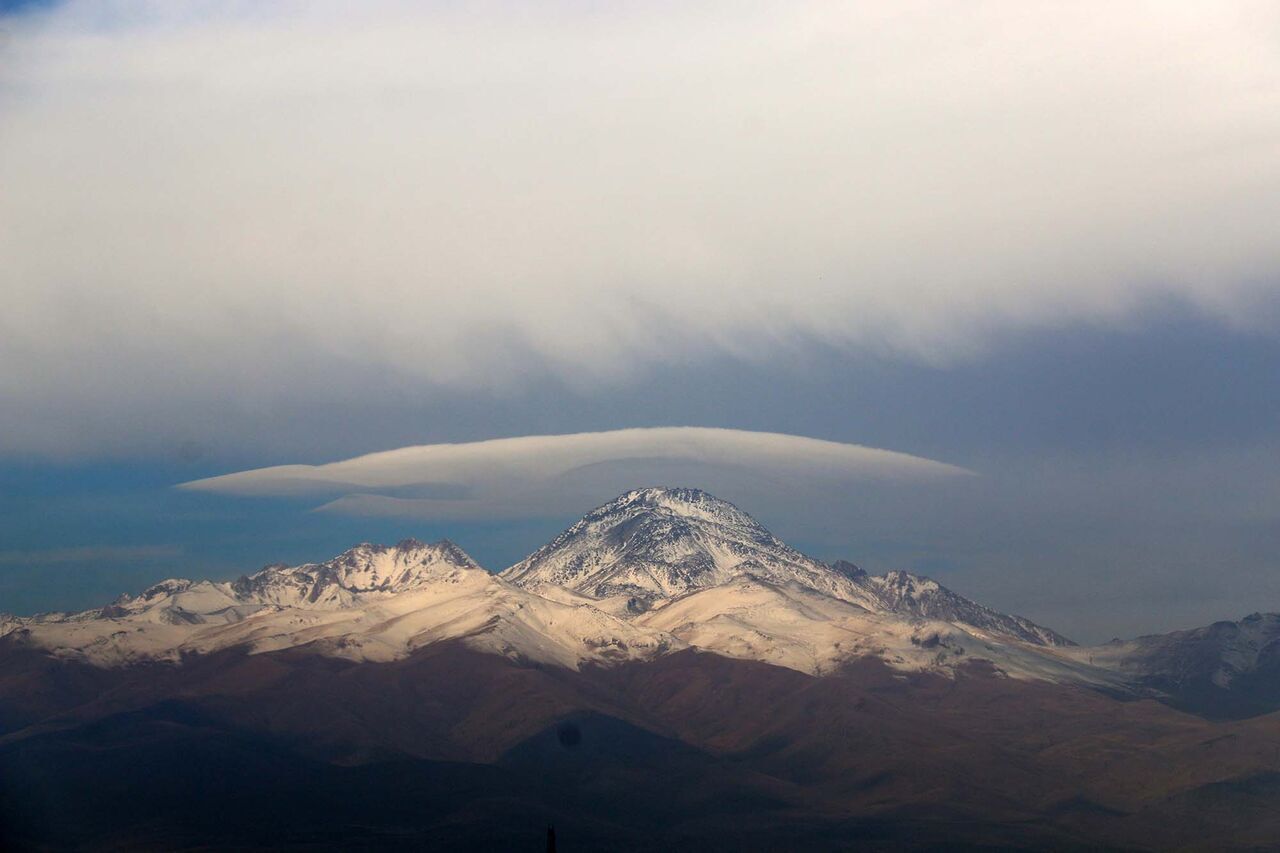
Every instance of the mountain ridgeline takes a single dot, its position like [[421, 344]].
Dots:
[[654, 571], [651, 572]]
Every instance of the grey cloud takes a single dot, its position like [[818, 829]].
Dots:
[[230, 202]]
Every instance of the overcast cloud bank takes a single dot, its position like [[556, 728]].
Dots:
[[223, 200]]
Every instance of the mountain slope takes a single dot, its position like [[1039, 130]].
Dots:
[[651, 546], [912, 595], [800, 628], [1226, 670]]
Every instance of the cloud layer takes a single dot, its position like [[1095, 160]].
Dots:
[[241, 202], [538, 476]]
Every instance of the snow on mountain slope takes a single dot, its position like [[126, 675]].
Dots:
[[370, 603], [487, 613], [1227, 669], [1220, 653], [911, 595], [651, 545], [797, 627], [784, 624]]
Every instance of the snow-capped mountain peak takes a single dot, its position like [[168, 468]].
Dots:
[[362, 570], [659, 543], [649, 547], [167, 587], [685, 503]]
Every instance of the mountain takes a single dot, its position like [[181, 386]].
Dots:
[[664, 675], [648, 574], [651, 546]]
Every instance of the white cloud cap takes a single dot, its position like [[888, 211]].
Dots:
[[539, 474]]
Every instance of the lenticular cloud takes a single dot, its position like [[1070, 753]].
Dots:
[[528, 474]]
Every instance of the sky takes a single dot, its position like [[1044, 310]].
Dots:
[[986, 291]]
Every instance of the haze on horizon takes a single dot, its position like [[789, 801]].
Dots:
[[1034, 241]]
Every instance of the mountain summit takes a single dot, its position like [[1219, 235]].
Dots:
[[660, 543], [364, 569]]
